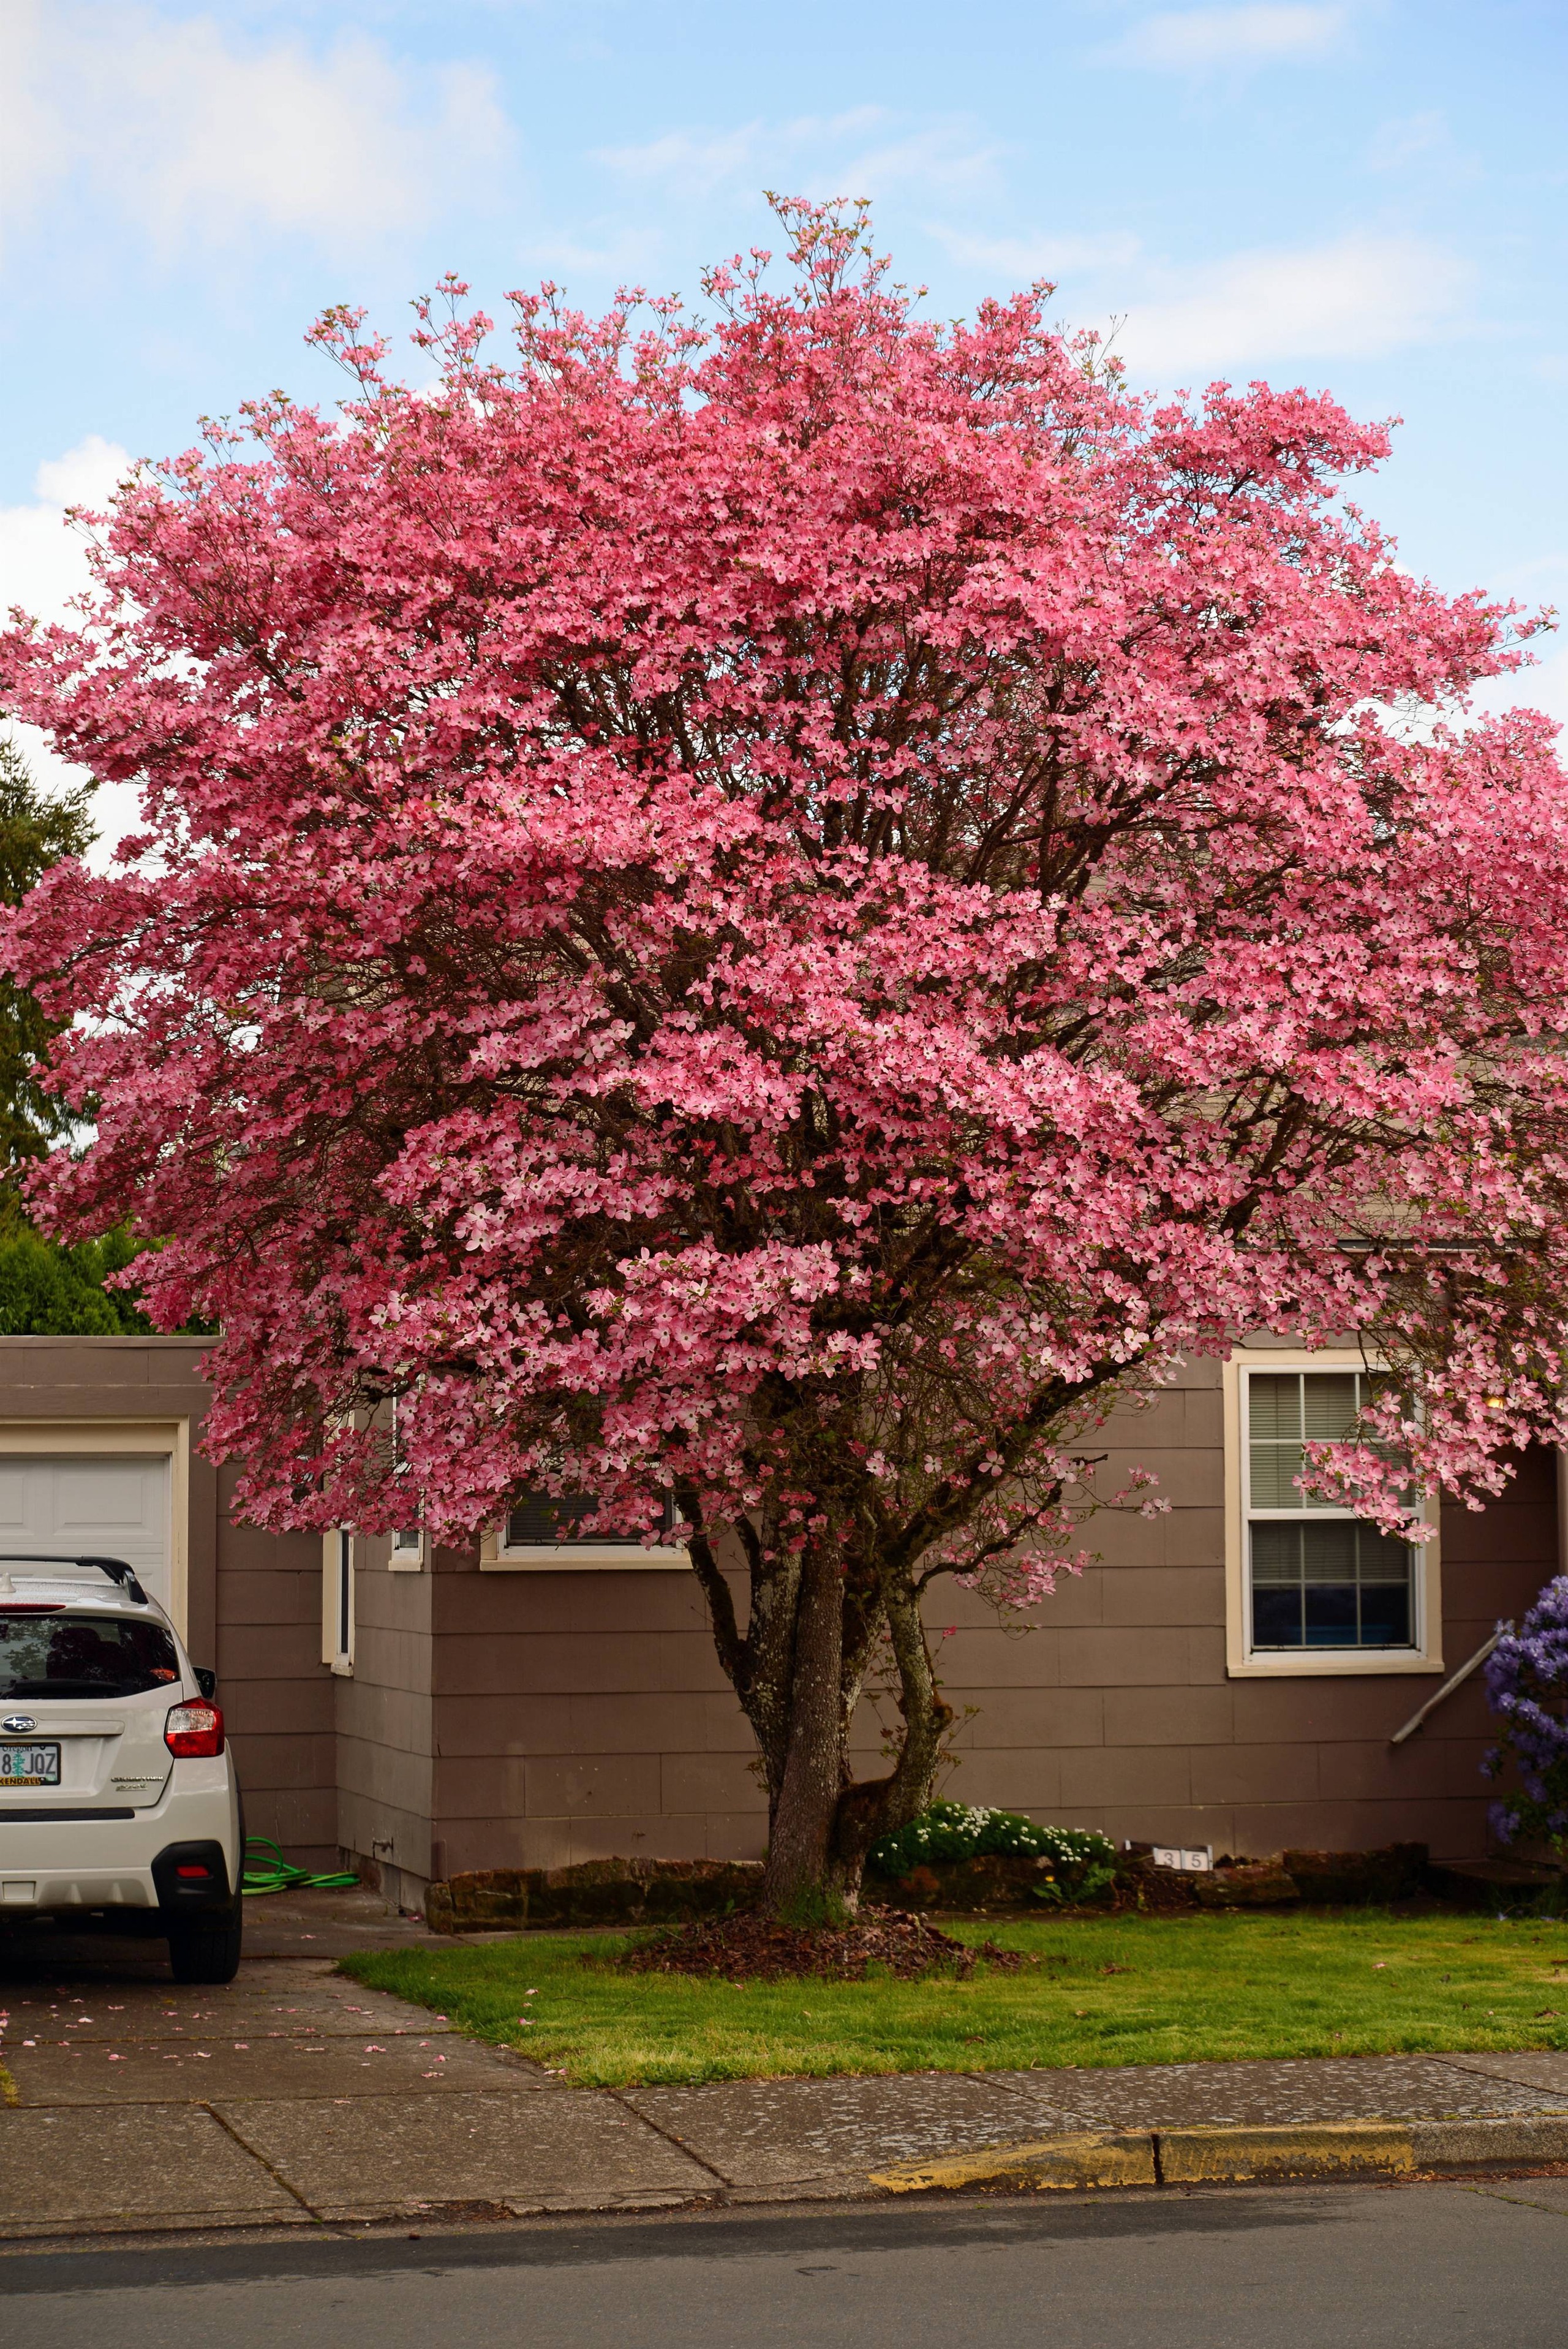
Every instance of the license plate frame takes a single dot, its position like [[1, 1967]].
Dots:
[[39, 1753]]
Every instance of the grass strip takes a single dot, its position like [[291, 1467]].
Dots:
[[1124, 1990]]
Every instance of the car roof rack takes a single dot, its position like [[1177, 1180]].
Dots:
[[114, 1568]]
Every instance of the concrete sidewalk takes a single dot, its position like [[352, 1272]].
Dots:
[[294, 2098]]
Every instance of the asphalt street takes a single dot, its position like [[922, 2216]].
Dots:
[[1449, 2266]]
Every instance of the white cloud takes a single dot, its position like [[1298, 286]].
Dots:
[[1199, 40], [943, 157], [1356, 298], [1022, 259], [188, 130], [43, 564], [862, 151], [1421, 150], [625, 253], [690, 162], [1395, 144]]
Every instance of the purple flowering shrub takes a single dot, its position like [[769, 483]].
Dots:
[[1527, 1686]]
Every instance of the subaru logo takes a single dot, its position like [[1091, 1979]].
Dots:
[[18, 1721]]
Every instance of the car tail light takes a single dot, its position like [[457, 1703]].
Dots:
[[194, 1729]]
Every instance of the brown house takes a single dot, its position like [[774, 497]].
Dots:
[[1229, 1673]]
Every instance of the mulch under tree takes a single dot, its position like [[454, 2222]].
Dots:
[[753, 1948]]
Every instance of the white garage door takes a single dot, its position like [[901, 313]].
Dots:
[[113, 1508]]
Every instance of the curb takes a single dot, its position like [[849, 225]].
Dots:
[[1098, 2159], [1239, 2155]]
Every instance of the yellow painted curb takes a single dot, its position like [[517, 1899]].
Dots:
[[1188, 2157], [1096, 2159], [9, 2093], [1195, 2157]]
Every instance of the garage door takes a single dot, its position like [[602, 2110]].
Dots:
[[115, 1507]]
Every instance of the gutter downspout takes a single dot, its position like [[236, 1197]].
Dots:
[[1481, 1654], [1449, 1686]]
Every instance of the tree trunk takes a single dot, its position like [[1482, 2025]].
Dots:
[[798, 1669], [803, 1882], [821, 1823]]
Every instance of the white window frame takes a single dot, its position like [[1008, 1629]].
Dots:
[[339, 1562], [497, 1555], [408, 1549], [408, 1552], [1242, 1661]]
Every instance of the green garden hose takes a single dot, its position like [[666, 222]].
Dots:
[[276, 1874]]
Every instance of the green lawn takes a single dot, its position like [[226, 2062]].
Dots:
[[1134, 1989]]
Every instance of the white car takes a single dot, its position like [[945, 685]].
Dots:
[[118, 1796]]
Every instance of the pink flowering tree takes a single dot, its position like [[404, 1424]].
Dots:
[[764, 919]]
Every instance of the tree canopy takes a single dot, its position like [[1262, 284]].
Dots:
[[778, 911], [36, 831], [45, 1289]]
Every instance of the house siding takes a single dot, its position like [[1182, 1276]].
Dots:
[[385, 1742], [542, 1718], [583, 1716], [579, 1716]]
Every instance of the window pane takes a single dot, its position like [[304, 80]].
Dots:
[[1275, 1469], [1328, 1552], [1319, 1579], [1284, 1410], [1273, 1416], [1276, 1615], [1330, 1586], [1273, 1412], [1331, 1615], [1329, 1405], [538, 1519], [1276, 1553], [1382, 1559], [1386, 1615], [1274, 1406]]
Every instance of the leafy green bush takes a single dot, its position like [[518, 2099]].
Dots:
[[1082, 1864], [46, 1290], [49, 1290]]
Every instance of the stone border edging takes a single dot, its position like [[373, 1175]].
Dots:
[[1239, 2155]]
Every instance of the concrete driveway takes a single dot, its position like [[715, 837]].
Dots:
[[288, 2097]]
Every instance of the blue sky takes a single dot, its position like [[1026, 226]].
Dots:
[[1370, 196]]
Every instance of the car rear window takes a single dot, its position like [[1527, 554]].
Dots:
[[73, 1654]]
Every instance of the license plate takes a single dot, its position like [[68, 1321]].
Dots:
[[29, 1766]]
